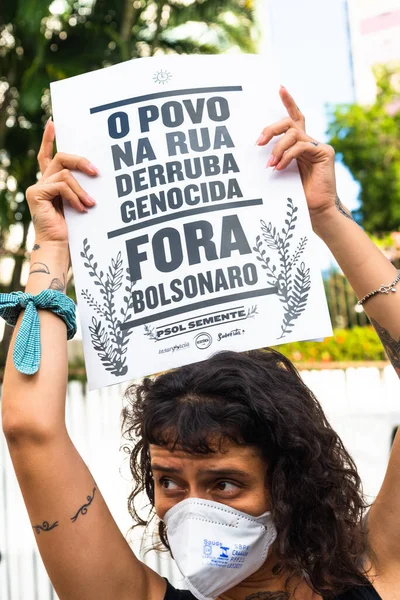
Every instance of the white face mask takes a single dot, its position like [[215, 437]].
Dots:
[[216, 547]]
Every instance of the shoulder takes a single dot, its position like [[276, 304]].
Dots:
[[173, 594]]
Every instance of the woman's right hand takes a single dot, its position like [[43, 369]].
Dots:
[[44, 198]]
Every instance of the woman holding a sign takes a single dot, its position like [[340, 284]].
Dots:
[[256, 495]]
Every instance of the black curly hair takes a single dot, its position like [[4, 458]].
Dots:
[[258, 398]]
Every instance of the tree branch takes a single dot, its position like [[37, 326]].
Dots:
[[129, 16], [155, 41]]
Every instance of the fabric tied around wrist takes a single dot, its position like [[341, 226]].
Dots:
[[27, 348]]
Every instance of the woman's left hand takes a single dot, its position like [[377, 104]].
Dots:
[[315, 160]]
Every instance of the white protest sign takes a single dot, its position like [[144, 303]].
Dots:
[[194, 246]]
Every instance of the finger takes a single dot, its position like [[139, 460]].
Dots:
[[287, 141], [70, 161], [275, 129], [48, 191], [66, 176], [293, 110], [45, 154], [296, 151]]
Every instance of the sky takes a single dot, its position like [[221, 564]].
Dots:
[[308, 43]]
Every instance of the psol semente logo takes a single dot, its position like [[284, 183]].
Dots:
[[203, 340]]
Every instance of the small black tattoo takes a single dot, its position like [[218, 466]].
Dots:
[[315, 143], [58, 285], [83, 509], [268, 596], [390, 345], [39, 267], [45, 526], [341, 209], [36, 247]]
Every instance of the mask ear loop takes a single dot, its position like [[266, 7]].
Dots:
[[148, 537]]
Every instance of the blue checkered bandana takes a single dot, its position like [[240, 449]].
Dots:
[[27, 348]]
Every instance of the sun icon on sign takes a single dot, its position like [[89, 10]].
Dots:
[[162, 76]]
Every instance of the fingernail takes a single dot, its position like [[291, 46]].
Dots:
[[278, 166], [260, 139], [91, 200], [271, 161], [283, 87], [48, 121], [93, 169]]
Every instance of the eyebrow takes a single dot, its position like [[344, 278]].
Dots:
[[225, 472]]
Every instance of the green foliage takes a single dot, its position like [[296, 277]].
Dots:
[[368, 139], [356, 344], [37, 46]]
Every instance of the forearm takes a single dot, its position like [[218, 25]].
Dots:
[[83, 550], [36, 403], [366, 268]]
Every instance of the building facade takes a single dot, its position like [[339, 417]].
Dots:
[[375, 39]]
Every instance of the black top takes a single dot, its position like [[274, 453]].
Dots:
[[366, 592]]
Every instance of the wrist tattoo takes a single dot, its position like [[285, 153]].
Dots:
[[39, 267], [36, 247], [45, 526], [84, 508], [341, 209], [315, 143], [58, 285], [392, 348]]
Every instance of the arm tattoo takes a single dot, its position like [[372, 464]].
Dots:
[[341, 209], [83, 509], [268, 596], [390, 345], [36, 247], [39, 267], [58, 285], [45, 526]]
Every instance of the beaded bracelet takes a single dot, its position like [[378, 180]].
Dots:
[[384, 289], [27, 348]]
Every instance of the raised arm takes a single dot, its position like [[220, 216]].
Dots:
[[83, 550], [367, 269]]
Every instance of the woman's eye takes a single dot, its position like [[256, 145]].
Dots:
[[227, 486], [168, 484]]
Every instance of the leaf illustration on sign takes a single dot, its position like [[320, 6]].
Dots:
[[150, 332], [108, 340], [293, 284], [252, 312]]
